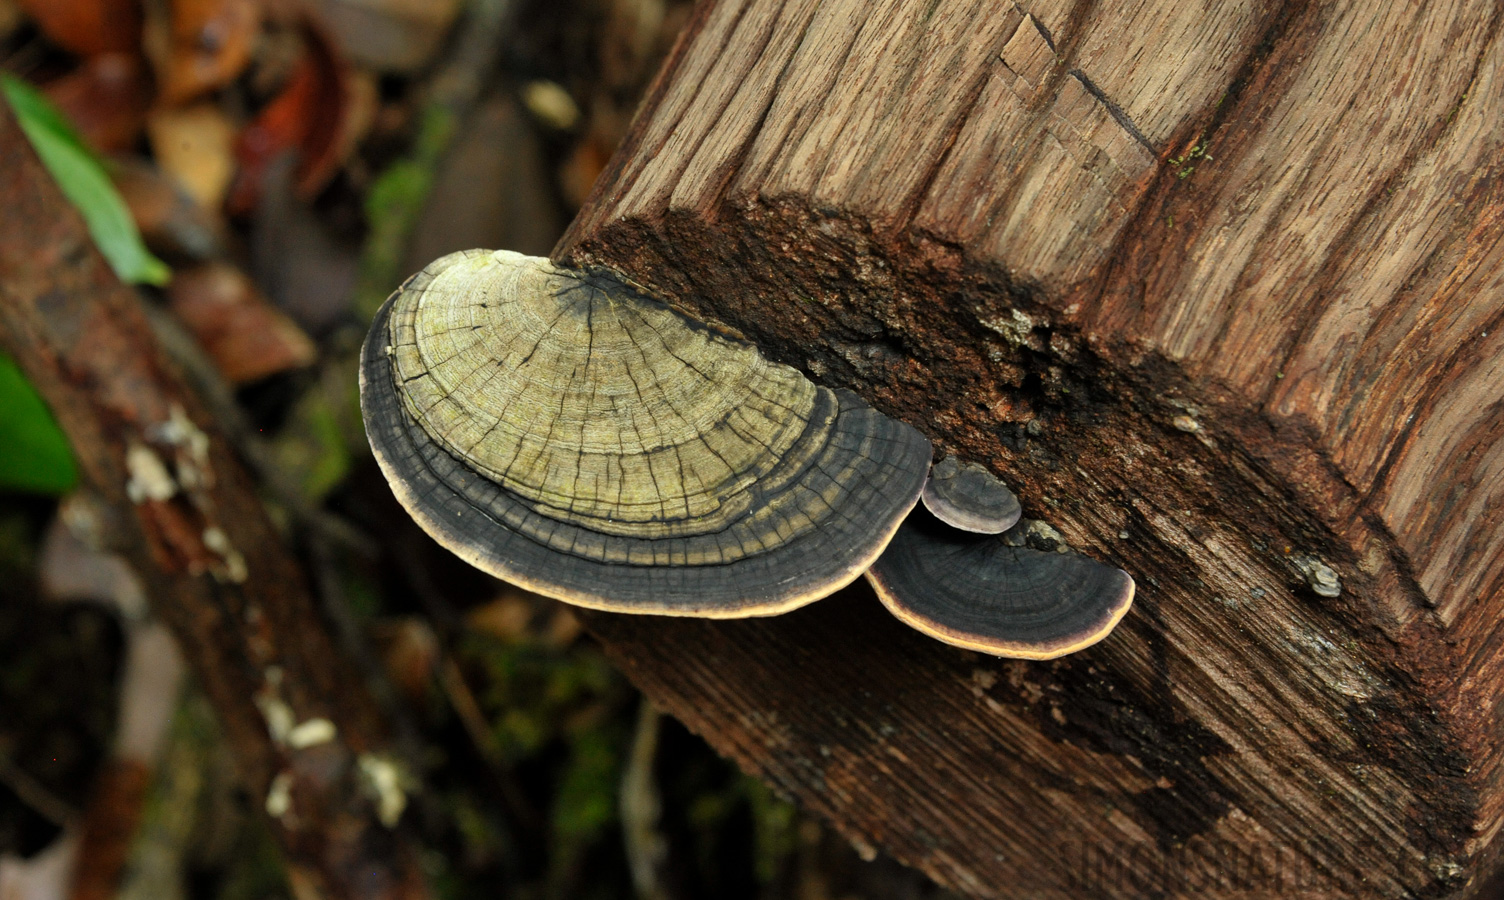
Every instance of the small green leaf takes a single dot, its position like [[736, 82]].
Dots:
[[84, 182], [34, 454]]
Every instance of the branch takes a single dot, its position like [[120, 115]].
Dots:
[[307, 737]]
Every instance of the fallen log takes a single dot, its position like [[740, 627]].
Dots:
[[1218, 294]]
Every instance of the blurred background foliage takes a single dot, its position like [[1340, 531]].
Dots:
[[267, 171]]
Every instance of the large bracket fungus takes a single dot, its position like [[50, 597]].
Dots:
[[565, 432]]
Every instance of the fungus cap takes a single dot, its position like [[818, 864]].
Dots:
[[983, 593], [968, 497], [568, 433]]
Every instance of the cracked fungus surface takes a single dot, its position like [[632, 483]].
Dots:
[[568, 433]]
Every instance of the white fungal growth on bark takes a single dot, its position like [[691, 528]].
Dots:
[[1044, 536], [1016, 327], [384, 781], [149, 478], [279, 717], [234, 569], [279, 796], [311, 733], [193, 461]]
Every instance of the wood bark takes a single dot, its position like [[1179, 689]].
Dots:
[[177, 503], [1218, 288]]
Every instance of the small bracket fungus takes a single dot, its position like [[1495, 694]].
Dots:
[[563, 431], [984, 593], [1322, 578], [968, 497]]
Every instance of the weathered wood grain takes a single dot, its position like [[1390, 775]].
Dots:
[[1217, 288]]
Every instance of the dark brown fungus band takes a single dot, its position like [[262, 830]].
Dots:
[[968, 497], [980, 592], [565, 432]]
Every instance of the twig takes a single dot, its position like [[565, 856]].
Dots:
[[647, 849], [462, 700]]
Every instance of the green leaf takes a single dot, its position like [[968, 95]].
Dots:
[[84, 182], [34, 454]]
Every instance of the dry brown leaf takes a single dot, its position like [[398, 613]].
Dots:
[[246, 336], [306, 265], [106, 98], [310, 116], [11, 18], [399, 36], [564, 628], [201, 45], [577, 174], [193, 144], [362, 103], [507, 618], [87, 27], [109, 825], [516, 616], [170, 222], [409, 651]]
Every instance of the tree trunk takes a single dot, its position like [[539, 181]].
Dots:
[[1218, 290]]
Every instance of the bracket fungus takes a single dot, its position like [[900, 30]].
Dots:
[[968, 497], [991, 593], [568, 433]]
